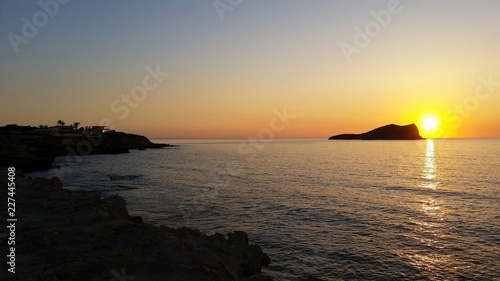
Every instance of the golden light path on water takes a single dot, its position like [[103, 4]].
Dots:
[[348, 210], [431, 229], [429, 171]]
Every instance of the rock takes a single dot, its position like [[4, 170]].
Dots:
[[307, 278], [136, 219], [26, 149], [115, 206], [238, 238], [47, 184], [69, 235], [388, 132], [258, 277]]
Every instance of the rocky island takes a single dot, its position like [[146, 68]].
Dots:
[[388, 132]]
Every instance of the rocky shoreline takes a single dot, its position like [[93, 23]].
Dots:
[[29, 150], [73, 235], [69, 235], [77, 235]]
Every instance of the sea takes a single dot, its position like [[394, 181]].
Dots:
[[336, 210]]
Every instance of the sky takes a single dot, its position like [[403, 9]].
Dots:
[[263, 69]]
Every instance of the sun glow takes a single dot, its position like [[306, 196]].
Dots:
[[429, 124]]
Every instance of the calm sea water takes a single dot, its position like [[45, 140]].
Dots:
[[339, 210]]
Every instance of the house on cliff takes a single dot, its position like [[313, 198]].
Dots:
[[71, 131]]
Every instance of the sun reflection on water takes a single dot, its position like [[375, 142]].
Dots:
[[430, 167], [430, 227], [431, 232]]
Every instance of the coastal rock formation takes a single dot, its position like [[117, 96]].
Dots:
[[307, 278], [388, 132], [67, 235], [26, 149], [71, 235]]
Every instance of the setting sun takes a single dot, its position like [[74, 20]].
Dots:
[[429, 124]]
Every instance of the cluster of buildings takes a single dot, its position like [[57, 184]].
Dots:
[[61, 130], [73, 131]]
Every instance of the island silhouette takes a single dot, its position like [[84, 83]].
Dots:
[[387, 132]]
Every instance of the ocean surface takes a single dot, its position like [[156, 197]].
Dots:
[[338, 210]]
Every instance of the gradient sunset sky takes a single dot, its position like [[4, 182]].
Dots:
[[229, 71]]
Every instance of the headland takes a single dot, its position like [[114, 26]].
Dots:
[[387, 132]]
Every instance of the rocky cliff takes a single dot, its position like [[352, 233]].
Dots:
[[25, 149]]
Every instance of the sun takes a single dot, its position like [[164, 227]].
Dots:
[[429, 124]]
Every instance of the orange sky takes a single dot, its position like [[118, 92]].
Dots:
[[229, 73]]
